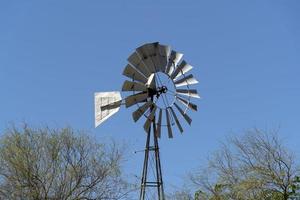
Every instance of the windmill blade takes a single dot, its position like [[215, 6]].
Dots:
[[159, 62], [151, 82], [136, 115], [174, 59], [106, 104], [150, 119], [147, 53], [185, 67], [182, 68], [158, 128], [188, 80], [155, 56], [133, 73], [187, 103], [185, 116], [188, 92], [135, 98], [170, 134], [176, 120], [164, 53], [135, 61], [133, 86], [147, 50]]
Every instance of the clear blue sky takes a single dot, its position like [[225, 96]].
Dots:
[[246, 54]]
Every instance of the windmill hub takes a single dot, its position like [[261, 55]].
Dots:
[[157, 92], [162, 89]]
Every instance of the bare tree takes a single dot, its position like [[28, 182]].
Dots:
[[58, 164], [255, 165]]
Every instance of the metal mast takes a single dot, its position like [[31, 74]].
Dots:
[[154, 149]]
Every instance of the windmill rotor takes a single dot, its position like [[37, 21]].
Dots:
[[160, 85], [146, 66]]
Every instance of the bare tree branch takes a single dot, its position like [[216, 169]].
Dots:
[[58, 164]]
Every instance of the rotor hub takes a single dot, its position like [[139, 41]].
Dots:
[[158, 91], [161, 90]]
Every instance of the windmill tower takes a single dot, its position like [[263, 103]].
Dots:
[[159, 83]]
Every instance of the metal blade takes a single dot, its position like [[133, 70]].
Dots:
[[140, 111], [102, 111], [185, 116], [135, 98], [176, 120], [156, 57], [133, 86], [170, 134], [164, 52], [146, 52], [150, 119], [133, 73], [151, 82], [188, 80], [158, 62], [135, 60], [158, 128], [174, 59], [186, 103], [150, 65], [185, 67], [182, 68], [188, 92]]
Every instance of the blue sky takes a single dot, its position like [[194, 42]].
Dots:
[[55, 54]]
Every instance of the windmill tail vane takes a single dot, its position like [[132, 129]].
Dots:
[[161, 88], [106, 104]]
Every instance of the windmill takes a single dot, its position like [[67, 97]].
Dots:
[[160, 86]]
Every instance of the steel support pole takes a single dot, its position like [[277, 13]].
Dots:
[[145, 167], [155, 150], [160, 188]]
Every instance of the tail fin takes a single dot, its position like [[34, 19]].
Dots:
[[106, 104]]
